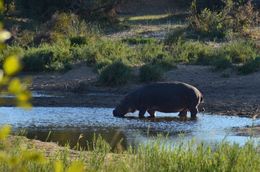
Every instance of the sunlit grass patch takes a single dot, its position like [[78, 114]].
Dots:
[[149, 17]]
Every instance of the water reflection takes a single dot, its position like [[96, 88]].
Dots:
[[67, 124], [82, 138]]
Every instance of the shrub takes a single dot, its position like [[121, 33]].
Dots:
[[78, 40], [150, 73], [192, 52], [228, 53], [37, 60], [48, 58], [250, 67], [148, 52], [233, 17], [10, 50], [100, 65], [115, 74], [24, 38], [139, 40], [239, 51], [165, 63], [175, 35], [64, 25], [222, 62]]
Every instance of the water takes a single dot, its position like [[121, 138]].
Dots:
[[67, 124], [35, 94]]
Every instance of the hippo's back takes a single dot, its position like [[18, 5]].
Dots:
[[172, 96]]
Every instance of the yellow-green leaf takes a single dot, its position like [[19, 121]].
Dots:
[[12, 65], [25, 96], [25, 105], [4, 35], [15, 86], [33, 156], [1, 75], [3, 156], [1, 5], [5, 131], [76, 166], [58, 167]]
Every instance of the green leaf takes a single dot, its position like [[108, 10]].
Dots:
[[12, 65], [76, 166], [15, 86], [5, 131], [58, 166], [4, 35]]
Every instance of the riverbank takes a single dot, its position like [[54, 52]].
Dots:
[[225, 92], [147, 158]]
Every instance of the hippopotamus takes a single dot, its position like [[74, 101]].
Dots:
[[163, 97]]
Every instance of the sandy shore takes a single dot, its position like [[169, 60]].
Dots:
[[225, 92]]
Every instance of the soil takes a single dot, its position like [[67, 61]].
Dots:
[[51, 149], [251, 131], [224, 92]]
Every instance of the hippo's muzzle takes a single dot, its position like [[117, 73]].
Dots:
[[116, 114]]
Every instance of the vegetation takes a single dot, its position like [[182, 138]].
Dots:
[[139, 40], [233, 17], [150, 157], [115, 74], [150, 73], [68, 37], [251, 66]]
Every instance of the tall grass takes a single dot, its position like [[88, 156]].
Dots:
[[156, 156]]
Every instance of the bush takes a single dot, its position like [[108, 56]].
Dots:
[[63, 26], [148, 52], [37, 60], [48, 58], [78, 40], [250, 67], [45, 8], [192, 52], [10, 50], [175, 35], [116, 74], [233, 17], [222, 63], [150, 73], [239, 51], [139, 40], [228, 53]]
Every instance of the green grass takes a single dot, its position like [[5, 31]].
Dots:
[[100, 52], [250, 67], [150, 73], [115, 74], [59, 44], [156, 156], [139, 40], [149, 17]]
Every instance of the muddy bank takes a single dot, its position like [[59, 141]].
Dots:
[[250, 131], [225, 92]]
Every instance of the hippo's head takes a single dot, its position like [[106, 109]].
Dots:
[[122, 109]]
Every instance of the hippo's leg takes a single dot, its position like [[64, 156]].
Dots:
[[193, 112], [183, 113], [151, 113], [141, 113]]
